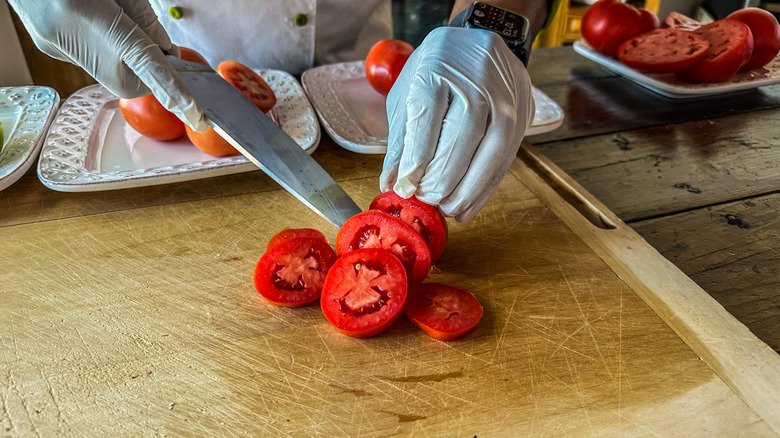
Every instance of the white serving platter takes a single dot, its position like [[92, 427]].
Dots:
[[26, 112], [668, 85], [90, 147], [354, 114]]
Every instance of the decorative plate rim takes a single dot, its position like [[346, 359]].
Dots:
[[65, 151]]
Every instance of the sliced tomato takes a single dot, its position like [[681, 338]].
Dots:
[[249, 83], [364, 292], [731, 45], [426, 219], [377, 229], [289, 233], [607, 23], [146, 115], [191, 55], [443, 312], [766, 35], [292, 273], [676, 20], [663, 51], [210, 142]]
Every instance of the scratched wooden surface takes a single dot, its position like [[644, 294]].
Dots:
[[139, 318], [697, 178]]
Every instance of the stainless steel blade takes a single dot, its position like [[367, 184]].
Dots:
[[264, 143]]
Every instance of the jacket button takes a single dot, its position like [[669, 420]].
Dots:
[[175, 12], [300, 20]]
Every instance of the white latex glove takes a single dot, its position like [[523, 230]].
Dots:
[[457, 114], [118, 42]]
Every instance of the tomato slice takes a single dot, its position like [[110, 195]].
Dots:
[[377, 229], [364, 292], [249, 83], [191, 55], [731, 45], [146, 115], [766, 35], [291, 274], [443, 312], [676, 20], [289, 233], [426, 219], [663, 51]]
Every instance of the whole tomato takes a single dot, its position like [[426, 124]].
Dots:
[[766, 35], [147, 116], [384, 63], [607, 23]]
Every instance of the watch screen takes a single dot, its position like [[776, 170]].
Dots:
[[497, 19]]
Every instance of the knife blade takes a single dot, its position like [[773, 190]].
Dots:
[[264, 143]]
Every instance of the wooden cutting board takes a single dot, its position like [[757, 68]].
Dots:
[[145, 322]]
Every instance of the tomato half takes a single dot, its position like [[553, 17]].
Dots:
[[377, 229], [424, 218], [249, 83], [292, 273], [210, 142], [766, 35], [731, 45], [663, 50], [676, 20], [146, 115], [443, 312], [289, 233], [191, 55], [364, 292], [384, 63], [607, 23]]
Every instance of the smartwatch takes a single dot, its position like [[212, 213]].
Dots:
[[511, 27]]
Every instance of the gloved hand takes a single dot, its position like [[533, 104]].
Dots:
[[118, 42], [457, 114]]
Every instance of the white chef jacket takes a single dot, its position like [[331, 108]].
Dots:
[[266, 33]]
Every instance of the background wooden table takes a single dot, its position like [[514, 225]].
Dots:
[[698, 179]]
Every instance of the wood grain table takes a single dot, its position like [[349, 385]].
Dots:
[[132, 312], [698, 179]]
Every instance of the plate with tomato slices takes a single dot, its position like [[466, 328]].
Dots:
[[670, 86], [354, 114], [90, 146]]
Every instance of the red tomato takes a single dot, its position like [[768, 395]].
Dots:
[[292, 273], [188, 54], [147, 116], [384, 63], [364, 292], [289, 233], [424, 218], [377, 229], [443, 312], [210, 142], [731, 44], [663, 50], [249, 83], [676, 20], [607, 23], [766, 35]]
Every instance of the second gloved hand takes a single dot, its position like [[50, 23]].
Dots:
[[118, 42], [457, 114]]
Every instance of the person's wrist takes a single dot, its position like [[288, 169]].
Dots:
[[513, 28]]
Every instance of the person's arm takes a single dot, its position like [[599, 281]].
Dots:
[[534, 10]]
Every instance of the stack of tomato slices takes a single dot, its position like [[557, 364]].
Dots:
[[745, 40], [377, 270], [149, 117]]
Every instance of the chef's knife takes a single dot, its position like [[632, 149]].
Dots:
[[264, 143]]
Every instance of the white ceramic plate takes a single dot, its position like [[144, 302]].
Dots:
[[354, 114], [669, 86], [26, 112], [90, 147]]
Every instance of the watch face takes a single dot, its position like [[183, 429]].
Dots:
[[499, 20]]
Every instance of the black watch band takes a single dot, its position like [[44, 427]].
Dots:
[[511, 27]]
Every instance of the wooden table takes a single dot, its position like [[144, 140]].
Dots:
[[132, 312], [698, 179]]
